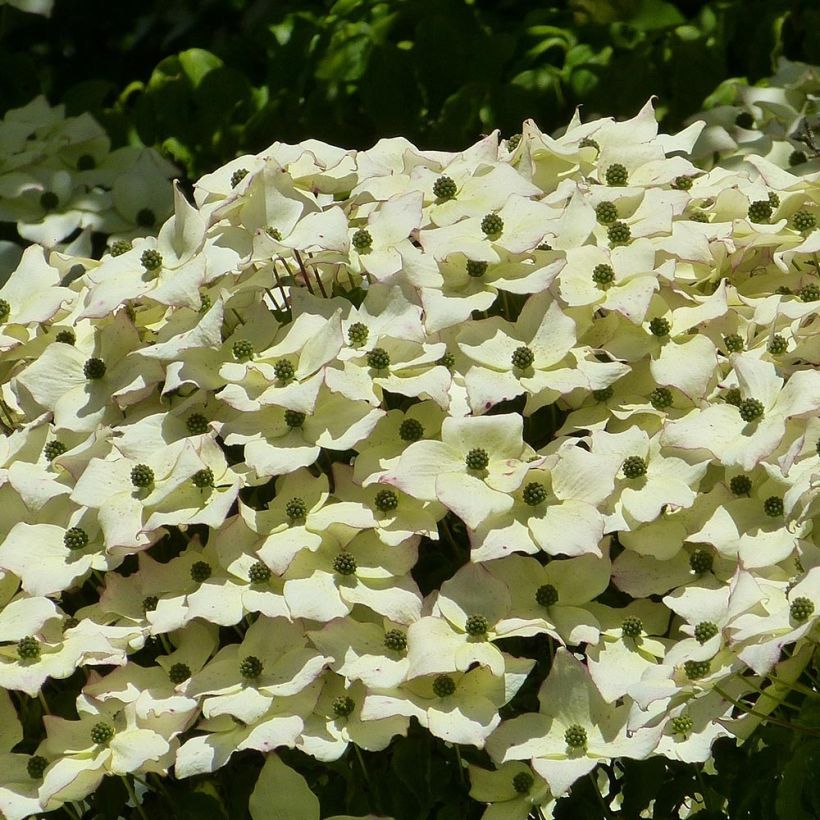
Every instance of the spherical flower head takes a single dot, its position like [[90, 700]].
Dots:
[[634, 467], [378, 359], [705, 630], [294, 419], [75, 538], [783, 290], [534, 493], [682, 183], [774, 200], [146, 218], [362, 240], [695, 670], [773, 506], [395, 640], [804, 221], [477, 459], [546, 595], [631, 627], [513, 142], [150, 603], [201, 571], [797, 157], [343, 706], [744, 120], [604, 394], [237, 176], [5, 310], [259, 573], [492, 225], [750, 409], [444, 188], [94, 368], [274, 233], [603, 276], [522, 358], [120, 247], [70, 623], [588, 142], [810, 293], [179, 673], [357, 334], [101, 733], [659, 327], [701, 561], [295, 509], [284, 370], [242, 350], [661, 398], [801, 609], [606, 212], [151, 259], [448, 360], [682, 724], [28, 648], [443, 686], [618, 233], [740, 485], [250, 667], [35, 767], [204, 303], [777, 345], [85, 162], [66, 336], [53, 449], [344, 563], [411, 430], [49, 200], [576, 736], [476, 625], [760, 211], [197, 424], [698, 216], [733, 342], [476, 268], [386, 501], [523, 782], [616, 175], [203, 478], [142, 476]]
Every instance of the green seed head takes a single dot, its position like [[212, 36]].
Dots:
[[197, 424], [783, 290], [357, 334], [705, 630], [631, 627], [251, 667], [120, 247], [801, 609], [386, 501], [284, 370], [616, 175], [634, 467], [448, 360], [809, 293], [150, 603], [295, 509], [395, 640], [146, 218], [201, 571], [750, 409], [661, 398], [744, 120], [777, 345], [151, 259], [476, 269], [523, 782], [733, 342], [294, 419], [682, 724], [760, 211], [75, 538], [588, 142], [101, 733], [603, 276], [35, 766], [411, 430], [698, 216], [606, 212], [797, 158], [362, 240], [203, 478], [773, 506], [259, 573], [682, 183], [67, 336], [576, 736], [513, 141], [522, 358], [774, 200], [444, 686], [237, 176], [701, 561], [204, 303], [604, 394], [492, 225], [546, 595], [378, 359], [476, 625], [534, 493], [142, 476], [5, 310], [659, 327], [618, 233], [344, 563], [343, 706], [477, 459], [242, 350], [94, 368], [179, 673], [804, 221], [740, 485], [274, 233], [695, 670], [444, 188], [28, 648], [49, 200], [85, 162], [53, 449]]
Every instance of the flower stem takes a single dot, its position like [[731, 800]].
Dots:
[[766, 718], [604, 808], [459, 763], [129, 786], [702, 783], [42, 698]]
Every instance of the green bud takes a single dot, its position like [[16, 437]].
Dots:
[[179, 673], [682, 724], [443, 686], [197, 424], [698, 216], [295, 509], [682, 183], [53, 449], [477, 459], [634, 467], [75, 538], [797, 158], [777, 345], [522, 358], [695, 670], [357, 334], [5, 310], [345, 564], [661, 398], [476, 269], [66, 336], [294, 419], [120, 247], [660, 327], [588, 142], [513, 142], [101, 733], [492, 225], [362, 240], [242, 350], [616, 175], [619, 233], [760, 211], [386, 501], [606, 212], [142, 476], [476, 625], [274, 233], [151, 259], [750, 409], [378, 359], [804, 221], [343, 706], [534, 494], [546, 595], [201, 571], [705, 631], [448, 360], [35, 766], [28, 648], [284, 370], [701, 561], [395, 640], [411, 430], [94, 368], [149, 603], [444, 188], [809, 293], [740, 485], [773, 506], [523, 782], [774, 200], [603, 276], [631, 627], [801, 609], [733, 342], [251, 667], [203, 478], [576, 736], [259, 573], [237, 176]]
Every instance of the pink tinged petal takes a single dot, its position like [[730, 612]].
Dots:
[[569, 528], [35, 486], [464, 237], [470, 498], [277, 731], [573, 227], [801, 394], [207, 753], [499, 537], [688, 365], [268, 459], [397, 218], [584, 476], [132, 749], [524, 222], [631, 299], [486, 388], [758, 378]]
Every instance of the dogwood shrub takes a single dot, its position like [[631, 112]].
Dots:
[[580, 364]]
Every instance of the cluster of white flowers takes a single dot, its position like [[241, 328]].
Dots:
[[329, 358], [60, 182]]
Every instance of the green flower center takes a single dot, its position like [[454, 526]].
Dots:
[[810, 293], [251, 667], [343, 706], [476, 625], [444, 188], [777, 345], [616, 175], [151, 259], [179, 673], [94, 368], [203, 478], [242, 350], [101, 733], [740, 485], [448, 360], [701, 561], [274, 233], [492, 225], [344, 563], [576, 736], [284, 370], [733, 342], [801, 609], [476, 269], [28, 648], [120, 247], [75, 538], [35, 766], [149, 603], [546, 595], [682, 183], [523, 782], [750, 409], [604, 394], [659, 327], [661, 398], [259, 573], [760, 211], [773, 506], [237, 176], [682, 724], [53, 449], [395, 640], [410, 430], [294, 419], [603, 276], [378, 359], [357, 334], [631, 627], [634, 467], [588, 142], [477, 459], [66, 336], [197, 424], [444, 686], [201, 571], [705, 630], [695, 670], [142, 476], [804, 221], [606, 212], [522, 358], [295, 509], [534, 494], [362, 240], [5, 310], [386, 500]]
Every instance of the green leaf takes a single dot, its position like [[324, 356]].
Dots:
[[281, 793]]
